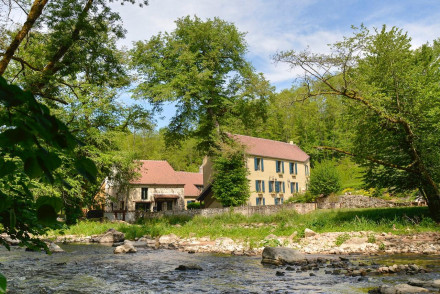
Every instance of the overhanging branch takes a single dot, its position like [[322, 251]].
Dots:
[[407, 168]]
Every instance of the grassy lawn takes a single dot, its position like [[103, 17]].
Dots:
[[255, 228]]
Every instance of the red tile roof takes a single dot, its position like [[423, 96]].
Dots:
[[190, 180], [270, 148], [160, 172]]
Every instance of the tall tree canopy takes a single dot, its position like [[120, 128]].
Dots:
[[393, 92], [201, 67]]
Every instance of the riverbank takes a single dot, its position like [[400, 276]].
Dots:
[[365, 231]]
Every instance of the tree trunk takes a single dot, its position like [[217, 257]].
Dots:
[[34, 14], [433, 199]]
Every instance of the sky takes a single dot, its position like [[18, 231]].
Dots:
[[272, 26]]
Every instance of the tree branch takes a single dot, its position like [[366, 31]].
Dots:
[[23, 62], [408, 168], [34, 14]]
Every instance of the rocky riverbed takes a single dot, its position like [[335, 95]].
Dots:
[[313, 243]]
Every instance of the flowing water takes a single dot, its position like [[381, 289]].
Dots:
[[95, 269]]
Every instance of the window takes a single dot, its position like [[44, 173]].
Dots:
[[111, 206], [293, 168], [293, 187], [277, 201], [259, 163], [279, 166], [282, 199], [122, 205], [277, 186], [307, 170], [271, 186], [144, 193], [142, 206], [260, 201], [284, 188], [259, 186]]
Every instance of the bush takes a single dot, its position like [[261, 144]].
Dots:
[[325, 179], [306, 197], [193, 205]]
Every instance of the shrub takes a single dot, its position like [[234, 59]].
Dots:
[[193, 205], [324, 179], [341, 239]]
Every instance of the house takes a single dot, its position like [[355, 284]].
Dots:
[[157, 188], [277, 170]]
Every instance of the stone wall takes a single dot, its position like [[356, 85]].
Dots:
[[352, 201], [301, 208]]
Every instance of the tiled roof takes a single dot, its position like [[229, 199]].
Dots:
[[190, 180], [160, 172], [270, 148]]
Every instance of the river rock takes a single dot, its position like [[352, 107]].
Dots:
[[126, 248], [281, 255], [167, 240], [401, 289], [111, 236], [54, 248], [189, 267], [421, 283], [9, 240], [309, 233]]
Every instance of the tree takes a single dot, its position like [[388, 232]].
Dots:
[[230, 184], [324, 179], [393, 92], [201, 67]]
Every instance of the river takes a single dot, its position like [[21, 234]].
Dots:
[[95, 269]]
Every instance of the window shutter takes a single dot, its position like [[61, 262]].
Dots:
[[291, 187], [296, 168], [256, 163], [256, 185], [297, 187], [270, 186], [277, 166], [291, 167], [282, 200], [262, 164], [257, 201], [262, 186], [284, 188], [264, 201], [282, 165]]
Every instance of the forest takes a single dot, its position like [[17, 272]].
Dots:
[[370, 106]]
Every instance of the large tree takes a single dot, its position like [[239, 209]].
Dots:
[[201, 67], [393, 91]]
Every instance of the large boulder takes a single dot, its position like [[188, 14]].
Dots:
[[401, 289], [126, 248], [309, 233], [9, 240], [281, 255], [421, 283], [111, 236]]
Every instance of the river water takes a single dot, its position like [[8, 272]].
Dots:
[[95, 269]]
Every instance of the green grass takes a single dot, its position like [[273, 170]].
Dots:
[[256, 227], [341, 239]]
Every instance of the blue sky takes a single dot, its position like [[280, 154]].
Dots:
[[272, 26]]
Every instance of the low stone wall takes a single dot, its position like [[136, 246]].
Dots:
[[301, 208], [354, 201]]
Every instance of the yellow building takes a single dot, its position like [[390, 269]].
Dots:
[[277, 170]]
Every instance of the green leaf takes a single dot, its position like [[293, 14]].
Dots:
[[86, 167], [54, 202], [12, 219], [32, 167], [3, 283], [47, 209]]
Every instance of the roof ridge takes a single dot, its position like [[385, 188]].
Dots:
[[266, 139]]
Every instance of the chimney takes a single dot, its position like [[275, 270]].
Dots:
[[291, 143]]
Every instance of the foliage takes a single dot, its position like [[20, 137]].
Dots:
[[371, 239], [324, 179], [230, 184], [193, 205], [201, 67], [391, 91], [306, 197], [341, 239], [31, 143], [3, 284]]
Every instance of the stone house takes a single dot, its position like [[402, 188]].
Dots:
[[157, 188], [277, 170]]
